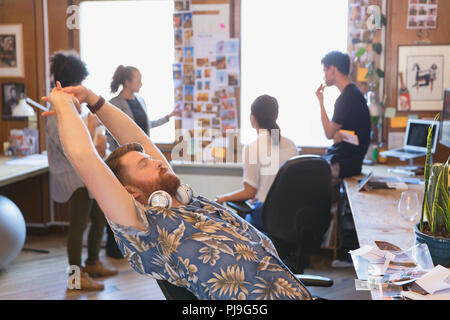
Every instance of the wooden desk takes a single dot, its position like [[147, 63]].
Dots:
[[14, 173], [28, 187], [376, 217], [375, 212]]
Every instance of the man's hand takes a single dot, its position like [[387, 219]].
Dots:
[[82, 93], [58, 95], [338, 137], [319, 93]]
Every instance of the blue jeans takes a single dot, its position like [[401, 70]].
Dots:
[[255, 217]]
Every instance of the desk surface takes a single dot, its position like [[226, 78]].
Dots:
[[13, 173], [375, 212]]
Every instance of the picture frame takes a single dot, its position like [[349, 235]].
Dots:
[[11, 94], [421, 70], [11, 51]]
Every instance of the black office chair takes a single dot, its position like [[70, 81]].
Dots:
[[296, 215], [296, 212]]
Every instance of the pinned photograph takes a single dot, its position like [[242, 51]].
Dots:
[[188, 33], [11, 95], [178, 37], [221, 62], [188, 80], [177, 20], [177, 79], [189, 55], [232, 47], [189, 93], [178, 55], [187, 20], [233, 79], [220, 47], [233, 62], [11, 51], [202, 62], [188, 69], [222, 78]]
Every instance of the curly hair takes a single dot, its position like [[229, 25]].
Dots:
[[67, 68]]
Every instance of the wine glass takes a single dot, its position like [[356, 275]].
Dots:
[[408, 206]]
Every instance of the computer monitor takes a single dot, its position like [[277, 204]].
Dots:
[[445, 120], [417, 133]]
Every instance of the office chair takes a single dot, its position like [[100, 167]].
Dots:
[[296, 212]]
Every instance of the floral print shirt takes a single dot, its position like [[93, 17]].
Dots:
[[208, 250]]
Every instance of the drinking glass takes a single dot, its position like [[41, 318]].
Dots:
[[408, 206]]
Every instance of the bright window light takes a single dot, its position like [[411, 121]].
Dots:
[[283, 42], [136, 33]]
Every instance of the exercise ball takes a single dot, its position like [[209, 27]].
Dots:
[[12, 231]]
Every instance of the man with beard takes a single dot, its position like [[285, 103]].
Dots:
[[193, 243]]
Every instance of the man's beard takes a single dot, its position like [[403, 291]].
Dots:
[[166, 181]]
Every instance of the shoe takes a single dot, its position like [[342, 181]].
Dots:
[[88, 284], [99, 270]]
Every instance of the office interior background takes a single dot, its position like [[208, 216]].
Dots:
[[280, 45]]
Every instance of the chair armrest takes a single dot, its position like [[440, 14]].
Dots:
[[240, 207], [314, 281]]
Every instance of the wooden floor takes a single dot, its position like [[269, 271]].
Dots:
[[38, 276]]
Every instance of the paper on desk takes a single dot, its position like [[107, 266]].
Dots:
[[31, 160], [349, 137], [440, 295], [436, 280], [373, 254]]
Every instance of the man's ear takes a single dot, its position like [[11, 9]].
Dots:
[[135, 192]]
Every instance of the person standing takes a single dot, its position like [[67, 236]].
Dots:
[[66, 185], [350, 113], [128, 101]]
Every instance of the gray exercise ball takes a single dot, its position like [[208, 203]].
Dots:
[[12, 231]]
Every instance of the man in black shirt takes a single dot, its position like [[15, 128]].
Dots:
[[350, 113]]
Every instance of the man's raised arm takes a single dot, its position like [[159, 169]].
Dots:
[[113, 198], [122, 127]]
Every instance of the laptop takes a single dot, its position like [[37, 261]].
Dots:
[[415, 143]]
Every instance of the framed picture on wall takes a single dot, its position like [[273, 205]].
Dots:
[[11, 51], [11, 94], [423, 74]]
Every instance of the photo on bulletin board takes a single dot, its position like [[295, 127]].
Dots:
[[424, 75], [11, 95], [11, 51]]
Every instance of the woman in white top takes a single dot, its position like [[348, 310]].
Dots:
[[262, 158]]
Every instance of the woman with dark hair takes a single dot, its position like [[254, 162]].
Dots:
[[67, 186], [262, 158], [134, 106]]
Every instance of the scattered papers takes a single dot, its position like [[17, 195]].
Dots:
[[436, 280], [349, 137]]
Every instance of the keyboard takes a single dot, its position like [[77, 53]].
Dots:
[[409, 151]]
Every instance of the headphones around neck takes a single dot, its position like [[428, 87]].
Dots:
[[163, 199]]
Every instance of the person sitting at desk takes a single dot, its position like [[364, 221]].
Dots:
[[193, 243], [350, 113], [262, 158]]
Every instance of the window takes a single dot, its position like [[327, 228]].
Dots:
[[136, 33], [283, 42]]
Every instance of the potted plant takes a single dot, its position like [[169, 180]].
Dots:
[[435, 231]]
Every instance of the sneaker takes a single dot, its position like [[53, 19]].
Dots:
[[99, 270], [88, 284]]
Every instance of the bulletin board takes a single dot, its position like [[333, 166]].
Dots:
[[206, 73]]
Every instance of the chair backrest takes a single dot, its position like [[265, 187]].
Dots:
[[172, 292], [299, 201]]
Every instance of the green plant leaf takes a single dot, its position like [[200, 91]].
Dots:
[[380, 73], [360, 53], [377, 47]]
